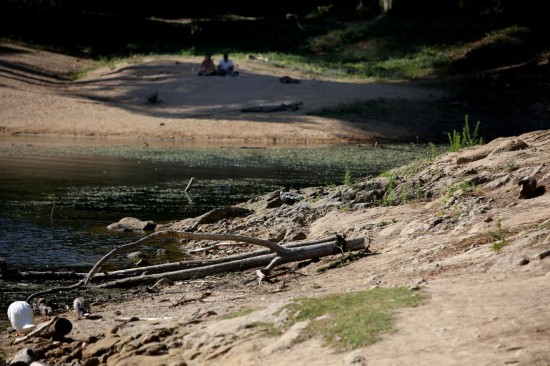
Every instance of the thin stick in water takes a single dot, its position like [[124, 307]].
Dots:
[[189, 184], [51, 213]]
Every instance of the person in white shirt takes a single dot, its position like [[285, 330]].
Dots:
[[226, 67]]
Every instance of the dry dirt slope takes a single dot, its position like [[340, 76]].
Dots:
[[483, 307]]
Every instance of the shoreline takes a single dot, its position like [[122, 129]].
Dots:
[[69, 140]]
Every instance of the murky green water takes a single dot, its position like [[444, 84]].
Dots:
[[56, 200]]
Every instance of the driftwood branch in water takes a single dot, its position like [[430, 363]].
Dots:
[[168, 267], [189, 184], [157, 268], [280, 250], [176, 266], [280, 254], [151, 237]]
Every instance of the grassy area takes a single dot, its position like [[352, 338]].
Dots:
[[352, 320]]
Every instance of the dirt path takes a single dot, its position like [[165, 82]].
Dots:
[[35, 99]]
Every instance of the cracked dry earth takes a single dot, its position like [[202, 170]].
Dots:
[[482, 307]]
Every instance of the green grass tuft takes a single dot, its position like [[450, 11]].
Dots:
[[467, 138], [352, 320]]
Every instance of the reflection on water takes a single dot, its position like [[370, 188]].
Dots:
[[56, 200]]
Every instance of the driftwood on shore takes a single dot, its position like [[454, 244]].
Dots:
[[269, 260], [271, 257]]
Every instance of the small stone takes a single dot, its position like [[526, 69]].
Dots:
[[155, 349], [416, 284], [136, 255], [357, 360], [523, 261]]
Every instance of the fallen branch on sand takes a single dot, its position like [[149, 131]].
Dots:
[[274, 256]]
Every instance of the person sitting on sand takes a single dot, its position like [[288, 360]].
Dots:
[[226, 67], [207, 67]]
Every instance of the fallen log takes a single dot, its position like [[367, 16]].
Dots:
[[151, 237], [175, 266], [158, 268], [270, 260], [282, 255]]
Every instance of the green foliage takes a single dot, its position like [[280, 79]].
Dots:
[[465, 186], [511, 166], [467, 138], [507, 33], [347, 178], [353, 320], [499, 245], [389, 197], [500, 235]]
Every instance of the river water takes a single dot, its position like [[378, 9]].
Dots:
[[58, 196]]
